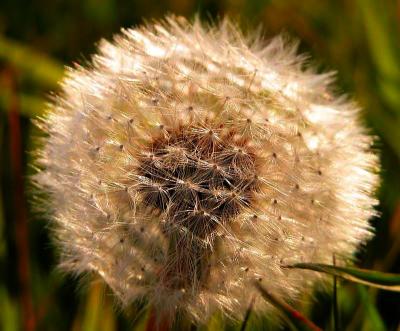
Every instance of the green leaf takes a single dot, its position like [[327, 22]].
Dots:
[[294, 318], [385, 281], [40, 67]]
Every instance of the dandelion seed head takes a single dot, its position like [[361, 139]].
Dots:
[[187, 162]]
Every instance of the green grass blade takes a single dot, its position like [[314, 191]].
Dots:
[[139, 321], [379, 38], [385, 281], [216, 322], [384, 51], [335, 306], [98, 313], [91, 316], [9, 319], [294, 318], [247, 316], [30, 106], [3, 245], [372, 319]]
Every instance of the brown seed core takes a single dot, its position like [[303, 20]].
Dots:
[[198, 179]]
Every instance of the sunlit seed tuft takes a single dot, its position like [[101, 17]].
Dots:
[[188, 162]]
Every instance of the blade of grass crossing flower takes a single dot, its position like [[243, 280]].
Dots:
[[385, 281], [295, 319]]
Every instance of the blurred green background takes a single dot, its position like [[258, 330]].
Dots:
[[358, 38]]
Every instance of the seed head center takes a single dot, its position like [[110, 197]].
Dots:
[[196, 181]]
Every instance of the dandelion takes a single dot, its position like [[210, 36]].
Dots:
[[187, 162]]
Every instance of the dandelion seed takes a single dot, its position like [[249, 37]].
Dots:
[[231, 160]]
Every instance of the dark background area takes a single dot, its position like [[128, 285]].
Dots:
[[359, 39]]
